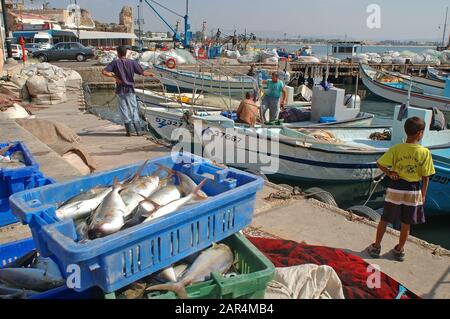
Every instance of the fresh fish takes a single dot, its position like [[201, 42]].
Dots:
[[47, 265], [18, 156], [219, 259], [14, 293], [90, 194], [167, 275], [82, 208], [109, 216], [135, 291], [5, 162], [180, 270], [161, 197], [82, 229], [24, 261], [30, 279], [140, 186], [187, 185], [175, 205]]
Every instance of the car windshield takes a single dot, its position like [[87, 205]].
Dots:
[[41, 40]]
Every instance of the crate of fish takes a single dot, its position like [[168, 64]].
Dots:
[[18, 172], [25, 275], [120, 226], [17, 167], [233, 269]]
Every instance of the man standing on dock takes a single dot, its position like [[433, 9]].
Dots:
[[274, 91], [123, 71]]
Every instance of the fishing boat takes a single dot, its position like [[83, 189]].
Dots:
[[398, 88], [438, 197], [334, 155], [437, 75], [199, 81], [329, 108]]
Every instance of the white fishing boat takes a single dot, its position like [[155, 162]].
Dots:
[[334, 155], [199, 81], [397, 89]]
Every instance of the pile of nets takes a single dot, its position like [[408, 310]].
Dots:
[[43, 83]]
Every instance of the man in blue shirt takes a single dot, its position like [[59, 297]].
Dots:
[[123, 70], [274, 91]]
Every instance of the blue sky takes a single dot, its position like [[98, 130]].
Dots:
[[400, 19]]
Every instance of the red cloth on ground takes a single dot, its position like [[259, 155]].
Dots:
[[351, 269]]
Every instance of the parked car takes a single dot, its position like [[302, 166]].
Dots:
[[65, 51], [33, 47], [16, 50]]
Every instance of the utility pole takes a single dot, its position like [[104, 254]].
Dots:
[[140, 22], [78, 20], [5, 22]]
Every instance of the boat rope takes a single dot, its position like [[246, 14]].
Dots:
[[377, 183], [296, 192]]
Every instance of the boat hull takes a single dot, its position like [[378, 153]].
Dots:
[[174, 81], [438, 197], [401, 96]]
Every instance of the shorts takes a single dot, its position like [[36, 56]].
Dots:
[[403, 203]]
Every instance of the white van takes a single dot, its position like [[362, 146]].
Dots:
[[44, 39]]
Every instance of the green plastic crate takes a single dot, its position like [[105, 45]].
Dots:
[[255, 272]]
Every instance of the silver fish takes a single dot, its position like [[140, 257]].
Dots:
[[18, 156], [138, 187], [219, 259], [160, 198], [6, 162], [175, 205], [82, 208], [82, 229], [30, 279], [108, 218], [47, 265], [14, 293], [187, 185], [90, 194]]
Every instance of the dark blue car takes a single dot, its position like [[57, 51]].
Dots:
[[65, 51]]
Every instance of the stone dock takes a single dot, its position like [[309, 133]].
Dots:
[[426, 271]]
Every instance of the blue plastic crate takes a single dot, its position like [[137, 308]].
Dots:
[[12, 251], [6, 215], [18, 179], [327, 119], [116, 261]]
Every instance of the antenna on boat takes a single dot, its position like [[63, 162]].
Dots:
[[408, 101]]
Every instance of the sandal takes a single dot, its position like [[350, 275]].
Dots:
[[399, 255], [374, 252]]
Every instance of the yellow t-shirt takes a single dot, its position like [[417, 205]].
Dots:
[[410, 161]]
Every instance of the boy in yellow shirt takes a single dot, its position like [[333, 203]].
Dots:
[[406, 165]]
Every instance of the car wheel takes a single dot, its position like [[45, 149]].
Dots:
[[81, 58], [42, 58]]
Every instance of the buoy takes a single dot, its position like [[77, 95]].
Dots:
[[171, 63]]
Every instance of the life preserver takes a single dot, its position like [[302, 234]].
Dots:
[[171, 63], [202, 54]]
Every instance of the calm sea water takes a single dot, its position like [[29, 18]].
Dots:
[[322, 49], [435, 231]]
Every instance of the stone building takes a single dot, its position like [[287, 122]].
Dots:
[[126, 19]]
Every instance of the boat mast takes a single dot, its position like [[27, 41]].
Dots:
[[445, 28]]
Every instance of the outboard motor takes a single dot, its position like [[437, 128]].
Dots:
[[438, 121], [351, 101]]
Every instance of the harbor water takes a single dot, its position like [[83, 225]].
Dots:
[[434, 231]]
